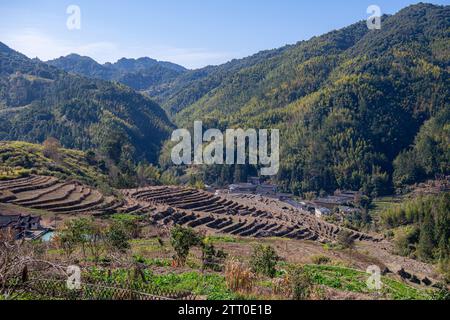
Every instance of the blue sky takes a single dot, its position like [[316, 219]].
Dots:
[[193, 33]]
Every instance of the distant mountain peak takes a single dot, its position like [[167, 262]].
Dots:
[[131, 64], [139, 74], [75, 56]]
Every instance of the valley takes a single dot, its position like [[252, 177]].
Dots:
[[88, 179]]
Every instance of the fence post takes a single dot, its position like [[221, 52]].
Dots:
[[25, 274]]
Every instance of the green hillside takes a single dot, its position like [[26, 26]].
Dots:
[[19, 159], [38, 101], [348, 103], [358, 109]]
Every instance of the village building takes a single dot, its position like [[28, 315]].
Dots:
[[320, 212], [284, 196], [266, 189], [348, 210], [22, 226], [242, 188]]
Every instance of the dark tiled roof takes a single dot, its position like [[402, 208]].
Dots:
[[17, 220], [7, 220]]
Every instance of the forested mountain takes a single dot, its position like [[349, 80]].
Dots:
[[38, 101], [350, 103], [357, 108], [139, 74], [194, 85]]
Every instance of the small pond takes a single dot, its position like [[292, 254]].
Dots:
[[48, 236]]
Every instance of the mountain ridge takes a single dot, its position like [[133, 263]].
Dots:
[[348, 103], [139, 74]]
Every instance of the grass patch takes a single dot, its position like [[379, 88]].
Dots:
[[384, 203], [224, 239], [355, 281], [149, 245], [211, 286]]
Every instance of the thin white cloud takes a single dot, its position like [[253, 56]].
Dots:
[[189, 57], [36, 44]]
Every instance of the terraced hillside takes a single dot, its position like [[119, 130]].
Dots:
[[173, 205], [53, 195], [19, 159], [198, 209]]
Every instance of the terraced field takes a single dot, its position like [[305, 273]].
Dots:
[[49, 194], [173, 205], [199, 209]]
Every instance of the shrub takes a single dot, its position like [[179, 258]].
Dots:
[[130, 224], [404, 242], [211, 258], [96, 239], [87, 233], [297, 284], [300, 283], [51, 149], [74, 233], [182, 240], [91, 157], [66, 242], [320, 259], [310, 196], [139, 259], [389, 234], [345, 239], [264, 260], [118, 236], [444, 269]]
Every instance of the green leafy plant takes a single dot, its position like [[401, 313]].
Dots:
[[264, 260], [345, 239], [300, 283], [182, 240], [118, 236], [211, 258]]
